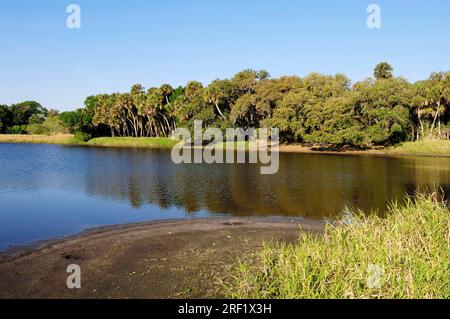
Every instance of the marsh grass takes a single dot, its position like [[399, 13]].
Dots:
[[424, 147], [70, 139], [409, 248], [38, 139], [142, 142]]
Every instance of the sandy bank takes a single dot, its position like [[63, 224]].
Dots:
[[169, 259]]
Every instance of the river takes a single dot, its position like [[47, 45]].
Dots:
[[49, 191]]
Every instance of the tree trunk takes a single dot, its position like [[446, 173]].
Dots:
[[434, 123], [168, 124], [421, 126], [218, 110], [133, 127], [439, 126]]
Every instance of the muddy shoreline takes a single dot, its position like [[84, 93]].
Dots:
[[162, 259]]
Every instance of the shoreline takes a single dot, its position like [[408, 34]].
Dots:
[[161, 259], [166, 143], [387, 152]]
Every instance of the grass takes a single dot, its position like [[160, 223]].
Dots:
[[69, 139], [405, 255], [38, 139], [143, 142], [424, 147]]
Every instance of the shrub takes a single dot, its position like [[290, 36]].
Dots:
[[54, 125], [81, 136], [36, 129], [51, 125], [17, 129]]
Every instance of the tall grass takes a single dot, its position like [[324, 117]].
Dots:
[[38, 139], [424, 147], [144, 142], [405, 255], [77, 139]]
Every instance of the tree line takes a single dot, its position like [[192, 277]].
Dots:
[[325, 109]]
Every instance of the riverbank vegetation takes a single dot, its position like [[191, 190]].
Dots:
[[320, 109], [39, 139], [142, 142], [430, 147], [404, 255], [78, 139]]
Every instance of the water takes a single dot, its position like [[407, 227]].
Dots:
[[49, 191]]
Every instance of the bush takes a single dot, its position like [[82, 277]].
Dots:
[[36, 129], [51, 125], [17, 129], [81, 136]]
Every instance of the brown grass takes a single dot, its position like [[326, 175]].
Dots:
[[40, 139]]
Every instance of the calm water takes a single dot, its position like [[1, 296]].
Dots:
[[51, 191]]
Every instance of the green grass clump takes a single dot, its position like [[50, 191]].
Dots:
[[144, 142], [424, 147], [83, 140], [405, 255]]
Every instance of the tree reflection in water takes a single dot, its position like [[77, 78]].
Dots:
[[307, 185]]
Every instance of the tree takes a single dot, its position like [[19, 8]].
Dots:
[[167, 90], [6, 118], [318, 108], [300, 106], [340, 125], [382, 107], [167, 106], [247, 80], [51, 125], [383, 71], [222, 94], [289, 116], [23, 111], [432, 100], [244, 111], [36, 119], [193, 90]]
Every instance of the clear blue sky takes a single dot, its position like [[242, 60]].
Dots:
[[173, 41]]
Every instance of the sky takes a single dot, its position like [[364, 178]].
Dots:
[[174, 41]]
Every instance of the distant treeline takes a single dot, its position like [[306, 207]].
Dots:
[[318, 108]]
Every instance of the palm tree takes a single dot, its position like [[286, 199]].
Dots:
[[433, 98], [383, 71], [166, 91], [213, 95]]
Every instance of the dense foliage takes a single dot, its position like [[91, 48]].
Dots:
[[15, 118], [315, 109]]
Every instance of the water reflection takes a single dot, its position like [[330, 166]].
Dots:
[[52, 191], [306, 185]]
